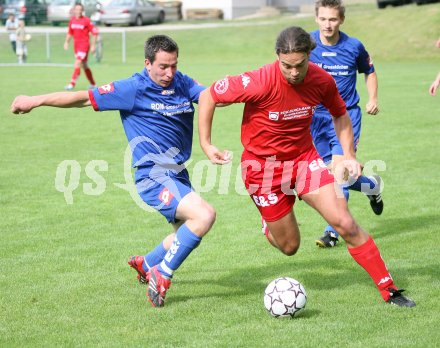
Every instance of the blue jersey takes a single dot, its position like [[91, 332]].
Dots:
[[343, 61], [158, 121]]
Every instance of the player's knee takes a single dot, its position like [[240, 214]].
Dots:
[[290, 248], [346, 226], [210, 215], [206, 217]]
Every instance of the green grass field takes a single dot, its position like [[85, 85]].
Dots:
[[64, 279]]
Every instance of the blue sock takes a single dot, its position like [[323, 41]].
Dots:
[[184, 242], [346, 191], [154, 257], [363, 184], [329, 228]]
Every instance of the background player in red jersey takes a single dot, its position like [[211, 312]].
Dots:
[[80, 27], [279, 158]]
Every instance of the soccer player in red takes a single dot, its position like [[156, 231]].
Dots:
[[279, 161], [80, 27]]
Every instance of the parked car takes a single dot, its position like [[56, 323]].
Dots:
[[132, 12], [385, 3], [421, 2], [62, 10], [32, 11]]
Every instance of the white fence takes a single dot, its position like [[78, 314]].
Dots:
[[46, 45], [46, 40]]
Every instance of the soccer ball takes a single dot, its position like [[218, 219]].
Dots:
[[285, 297]]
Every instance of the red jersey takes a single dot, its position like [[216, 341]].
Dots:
[[277, 115], [80, 28]]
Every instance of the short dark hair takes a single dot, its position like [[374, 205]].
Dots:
[[78, 3], [158, 43], [337, 4], [294, 39]]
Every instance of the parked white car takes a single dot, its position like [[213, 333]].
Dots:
[[132, 12], [62, 10]]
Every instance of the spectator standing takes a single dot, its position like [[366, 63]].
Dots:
[[11, 26]]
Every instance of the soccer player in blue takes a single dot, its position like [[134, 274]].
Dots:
[[342, 57], [157, 112]]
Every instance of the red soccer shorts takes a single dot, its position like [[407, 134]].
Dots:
[[273, 185], [81, 53]]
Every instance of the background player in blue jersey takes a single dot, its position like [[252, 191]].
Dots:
[[156, 108], [342, 57]]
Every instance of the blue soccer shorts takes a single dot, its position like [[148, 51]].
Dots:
[[324, 135], [162, 188]]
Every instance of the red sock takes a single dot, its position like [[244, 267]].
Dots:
[[368, 257], [75, 75], [89, 76]]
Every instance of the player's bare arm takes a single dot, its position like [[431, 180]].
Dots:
[[206, 114], [66, 42], [24, 104], [344, 131], [434, 85], [93, 43], [372, 106]]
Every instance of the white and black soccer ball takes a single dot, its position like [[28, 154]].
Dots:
[[285, 297]]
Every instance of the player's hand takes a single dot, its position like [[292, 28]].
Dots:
[[92, 48], [353, 167], [433, 87], [372, 107], [66, 46], [23, 104], [216, 156], [347, 171]]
